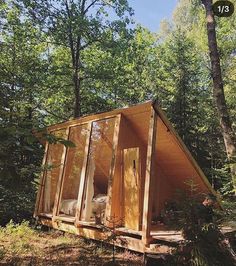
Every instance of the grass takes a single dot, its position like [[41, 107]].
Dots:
[[16, 239], [20, 244]]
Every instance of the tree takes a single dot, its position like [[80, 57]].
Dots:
[[190, 17], [120, 74], [77, 24], [218, 91], [21, 74], [182, 91]]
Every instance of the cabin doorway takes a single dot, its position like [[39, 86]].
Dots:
[[131, 188]]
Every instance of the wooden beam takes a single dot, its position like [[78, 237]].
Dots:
[[60, 177], [112, 169], [96, 234], [41, 182], [95, 117], [149, 178], [83, 176]]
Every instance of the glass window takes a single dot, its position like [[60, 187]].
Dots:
[[97, 172], [72, 171], [53, 165]]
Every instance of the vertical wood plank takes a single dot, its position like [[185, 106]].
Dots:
[[59, 181], [108, 212], [132, 187], [83, 176], [149, 179], [41, 182]]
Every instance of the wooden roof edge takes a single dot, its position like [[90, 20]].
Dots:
[[86, 119], [91, 117], [185, 149]]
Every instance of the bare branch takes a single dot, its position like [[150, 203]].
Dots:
[[56, 115], [89, 6], [70, 33]]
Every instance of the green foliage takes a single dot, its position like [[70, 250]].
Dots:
[[204, 244], [183, 91], [229, 216], [19, 237], [121, 74], [76, 25], [16, 205], [189, 16]]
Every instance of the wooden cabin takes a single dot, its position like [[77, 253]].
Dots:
[[127, 164]]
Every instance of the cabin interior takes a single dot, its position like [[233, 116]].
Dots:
[[124, 168]]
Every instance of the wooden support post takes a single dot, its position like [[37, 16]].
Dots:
[[59, 181], [108, 213], [83, 176], [149, 177], [41, 183]]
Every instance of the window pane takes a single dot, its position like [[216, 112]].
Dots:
[[72, 171], [53, 165], [97, 173]]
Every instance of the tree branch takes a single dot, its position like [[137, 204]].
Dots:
[[70, 35], [89, 6]]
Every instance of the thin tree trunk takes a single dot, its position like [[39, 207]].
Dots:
[[218, 92], [77, 78], [77, 105], [75, 57]]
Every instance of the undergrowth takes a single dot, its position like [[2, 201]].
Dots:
[[18, 239], [20, 244]]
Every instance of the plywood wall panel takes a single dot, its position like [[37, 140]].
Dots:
[[133, 133], [132, 187], [174, 161]]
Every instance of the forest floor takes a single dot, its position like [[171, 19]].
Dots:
[[21, 245]]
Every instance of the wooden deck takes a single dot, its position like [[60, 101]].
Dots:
[[162, 241]]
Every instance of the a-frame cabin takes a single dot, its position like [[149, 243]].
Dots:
[[125, 166]]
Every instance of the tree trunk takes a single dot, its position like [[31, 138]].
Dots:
[[75, 57], [77, 104], [218, 92]]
